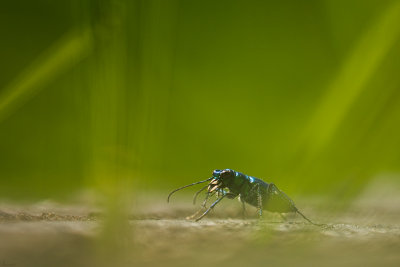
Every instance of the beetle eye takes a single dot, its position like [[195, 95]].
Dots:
[[216, 173]]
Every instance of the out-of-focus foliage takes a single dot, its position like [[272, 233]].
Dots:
[[102, 93]]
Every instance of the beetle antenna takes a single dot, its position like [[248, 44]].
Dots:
[[302, 215], [187, 186]]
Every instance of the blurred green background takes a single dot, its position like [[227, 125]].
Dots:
[[148, 95]]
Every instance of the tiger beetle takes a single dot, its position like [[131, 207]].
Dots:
[[231, 184]]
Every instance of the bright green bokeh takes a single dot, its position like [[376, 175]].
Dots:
[[148, 95]]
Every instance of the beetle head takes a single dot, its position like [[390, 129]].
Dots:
[[224, 175], [221, 178]]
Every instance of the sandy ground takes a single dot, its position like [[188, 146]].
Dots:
[[157, 234]]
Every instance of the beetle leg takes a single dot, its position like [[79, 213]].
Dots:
[[197, 193], [317, 224], [195, 214], [243, 208], [259, 201], [203, 206], [272, 189], [212, 206]]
